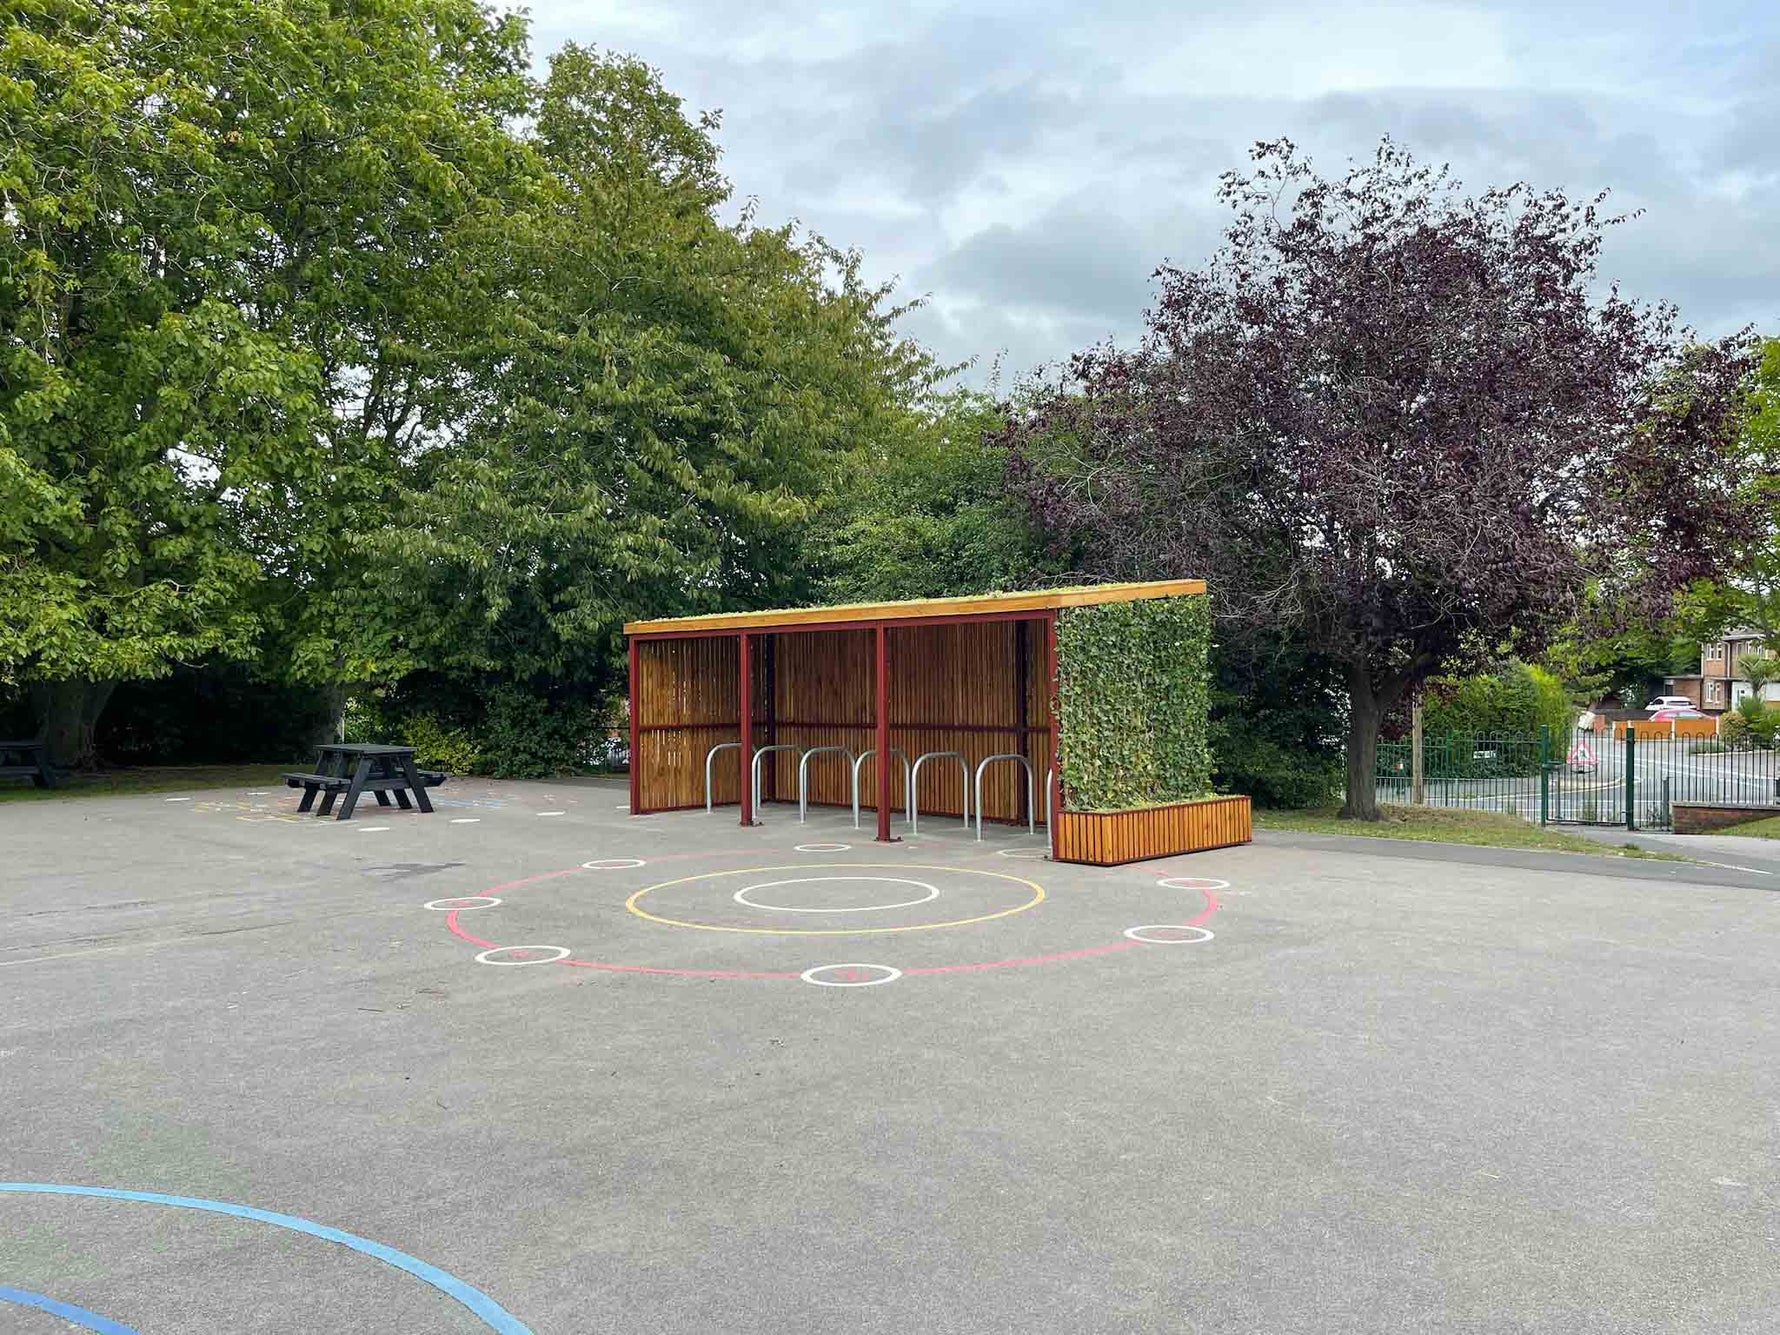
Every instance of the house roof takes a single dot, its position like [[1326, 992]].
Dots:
[[918, 609], [1745, 633]]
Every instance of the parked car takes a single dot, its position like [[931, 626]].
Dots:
[[1669, 702], [1664, 715]]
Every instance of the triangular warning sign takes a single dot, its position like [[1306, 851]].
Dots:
[[1580, 754]]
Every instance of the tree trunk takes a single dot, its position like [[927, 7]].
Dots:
[[330, 726], [67, 714], [1363, 717]]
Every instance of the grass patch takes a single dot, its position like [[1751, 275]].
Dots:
[[1449, 825], [1768, 827], [170, 779]]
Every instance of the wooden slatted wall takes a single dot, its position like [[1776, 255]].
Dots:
[[953, 687], [1107, 838]]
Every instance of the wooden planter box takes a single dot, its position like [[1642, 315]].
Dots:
[[1108, 838]]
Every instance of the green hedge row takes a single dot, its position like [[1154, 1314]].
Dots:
[[1135, 693]]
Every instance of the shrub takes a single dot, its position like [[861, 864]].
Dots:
[[1271, 774], [1735, 732], [437, 746], [1514, 701], [530, 736], [1712, 746]]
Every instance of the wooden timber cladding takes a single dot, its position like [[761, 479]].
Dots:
[[1108, 838], [977, 687], [985, 605]]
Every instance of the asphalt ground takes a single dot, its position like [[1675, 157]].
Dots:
[[1397, 1089]]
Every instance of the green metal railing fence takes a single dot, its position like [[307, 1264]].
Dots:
[[1584, 778]]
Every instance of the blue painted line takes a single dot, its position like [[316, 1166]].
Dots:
[[79, 1316], [492, 1314]]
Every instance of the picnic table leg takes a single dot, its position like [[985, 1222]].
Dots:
[[309, 791], [383, 798], [415, 786], [402, 799], [353, 789]]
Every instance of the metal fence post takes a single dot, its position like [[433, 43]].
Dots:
[[1631, 776], [1545, 774]]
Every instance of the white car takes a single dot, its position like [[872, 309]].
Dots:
[[1669, 702]]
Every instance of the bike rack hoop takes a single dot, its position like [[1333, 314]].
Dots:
[[754, 792], [803, 776], [915, 780], [1031, 793], [709, 757], [866, 755]]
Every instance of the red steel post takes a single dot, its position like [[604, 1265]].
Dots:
[[745, 675], [1053, 706], [636, 777], [883, 694]]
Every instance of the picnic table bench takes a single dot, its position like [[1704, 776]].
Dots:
[[348, 770], [26, 760]]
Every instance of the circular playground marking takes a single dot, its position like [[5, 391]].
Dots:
[[1023, 854], [1198, 934], [614, 864], [741, 896], [851, 975], [524, 955], [78, 1317], [490, 1313], [634, 903], [1189, 932], [466, 820], [823, 848], [1192, 883]]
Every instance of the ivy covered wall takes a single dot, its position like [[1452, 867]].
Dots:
[[1135, 693]]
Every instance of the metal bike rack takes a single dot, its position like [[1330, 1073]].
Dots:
[[709, 757], [1031, 794], [754, 792], [803, 775], [915, 781], [866, 755]]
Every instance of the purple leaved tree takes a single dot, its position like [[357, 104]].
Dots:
[[1400, 422]]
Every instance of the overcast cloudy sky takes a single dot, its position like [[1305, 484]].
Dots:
[[1026, 164]]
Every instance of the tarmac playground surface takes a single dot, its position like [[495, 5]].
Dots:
[[529, 1064]]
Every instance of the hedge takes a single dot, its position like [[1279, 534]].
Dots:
[[1135, 692]]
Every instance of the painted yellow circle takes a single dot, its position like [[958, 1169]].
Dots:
[[1038, 895]]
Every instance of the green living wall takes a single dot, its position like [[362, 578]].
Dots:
[[1135, 692]]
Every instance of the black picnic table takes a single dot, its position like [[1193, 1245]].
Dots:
[[349, 769], [26, 760]]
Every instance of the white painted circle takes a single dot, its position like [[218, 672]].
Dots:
[[462, 903], [553, 813], [741, 896], [1192, 883], [372, 829], [1137, 934], [887, 975], [1023, 854], [466, 820], [562, 952], [823, 848], [614, 864]]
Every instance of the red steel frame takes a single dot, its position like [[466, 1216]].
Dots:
[[881, 692]]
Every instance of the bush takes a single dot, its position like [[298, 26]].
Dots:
[[1710, 747], [1735, 732], [529, 736], [437, 746], [1515, 701], [1762, 721], [1272, 775]]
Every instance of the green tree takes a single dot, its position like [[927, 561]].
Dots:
[[669, 401], [233, 284], [927, 514], [138, 398]]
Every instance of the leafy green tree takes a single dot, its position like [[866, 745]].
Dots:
[[139, 399], [668, 404], [928, 515], [233, 287]]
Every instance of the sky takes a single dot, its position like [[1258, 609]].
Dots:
[[1023, 166]]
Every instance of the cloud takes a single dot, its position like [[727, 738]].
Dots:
[[1029, 163]]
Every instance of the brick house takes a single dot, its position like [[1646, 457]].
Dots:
[[1719, 683]]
